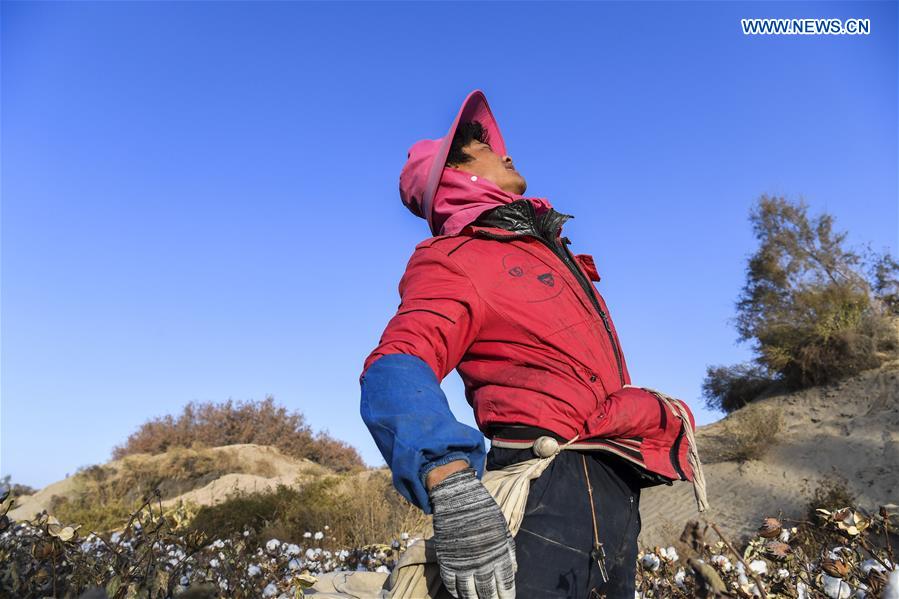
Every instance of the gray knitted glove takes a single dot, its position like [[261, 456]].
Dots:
[[475, 550]]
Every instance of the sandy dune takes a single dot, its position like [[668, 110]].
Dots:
[[278, 468], [848, 430]]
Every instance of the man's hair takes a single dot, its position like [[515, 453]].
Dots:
[[465, 134]]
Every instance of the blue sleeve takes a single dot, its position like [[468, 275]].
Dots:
[[411, 422]]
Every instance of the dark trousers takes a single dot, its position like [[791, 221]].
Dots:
[[553, 546]]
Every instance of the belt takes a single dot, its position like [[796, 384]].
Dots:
[[546, 443]]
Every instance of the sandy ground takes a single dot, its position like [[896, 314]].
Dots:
[[849, 431]]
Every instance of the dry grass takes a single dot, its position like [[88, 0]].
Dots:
[[748, 434], [105, 493], [357, 509]]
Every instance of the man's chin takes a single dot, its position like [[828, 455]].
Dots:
[[523, 185]]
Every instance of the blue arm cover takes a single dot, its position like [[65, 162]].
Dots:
[[408, 416]]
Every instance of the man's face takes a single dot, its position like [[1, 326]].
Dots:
[[498, 169]]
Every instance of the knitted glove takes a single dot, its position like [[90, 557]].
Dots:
[[475, 551]]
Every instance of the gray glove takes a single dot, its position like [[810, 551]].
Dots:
[[475, 550]]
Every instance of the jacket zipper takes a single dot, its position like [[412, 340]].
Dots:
[[587, 287], [581, 279]]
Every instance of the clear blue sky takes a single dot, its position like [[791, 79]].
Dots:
[[199, 200]]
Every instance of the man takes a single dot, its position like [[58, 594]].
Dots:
[[497, 294]]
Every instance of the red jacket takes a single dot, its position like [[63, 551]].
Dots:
[[532, 339]]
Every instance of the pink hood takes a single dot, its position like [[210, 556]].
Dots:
[[446, 197]]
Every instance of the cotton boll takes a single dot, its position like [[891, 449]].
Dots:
[[871, 564], [835, 588], [802, 591], [651, 562], [669, 554], [891, 591], [270, 591], [758, 566], [722, 562]]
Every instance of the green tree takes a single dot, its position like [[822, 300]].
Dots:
[[807, 308]]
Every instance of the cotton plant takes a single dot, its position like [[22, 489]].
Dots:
[[841, 555]]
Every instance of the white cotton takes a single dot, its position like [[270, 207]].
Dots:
[[679, 577], [293, 549], [784, 536], [254, 570], [383, 569], [307, 535], [319, 536], [891, 591], [835, 588], [722, 562], [294, 565], [213, 563], [270, 591], [273, 545], [871, 564], [669, 554], [802, 590], [758, 566], [651, 562]]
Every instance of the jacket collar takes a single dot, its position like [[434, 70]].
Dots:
[[520, 217]]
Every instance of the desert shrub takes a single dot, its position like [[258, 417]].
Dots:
[[884, 274], [729, 388], [812, 312], [94, 516], [749, 434], [356, 509], [230, 423]]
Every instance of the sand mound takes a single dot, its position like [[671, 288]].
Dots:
[[260, 468], [846, 431]]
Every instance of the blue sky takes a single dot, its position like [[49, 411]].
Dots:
[[199, 200]]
